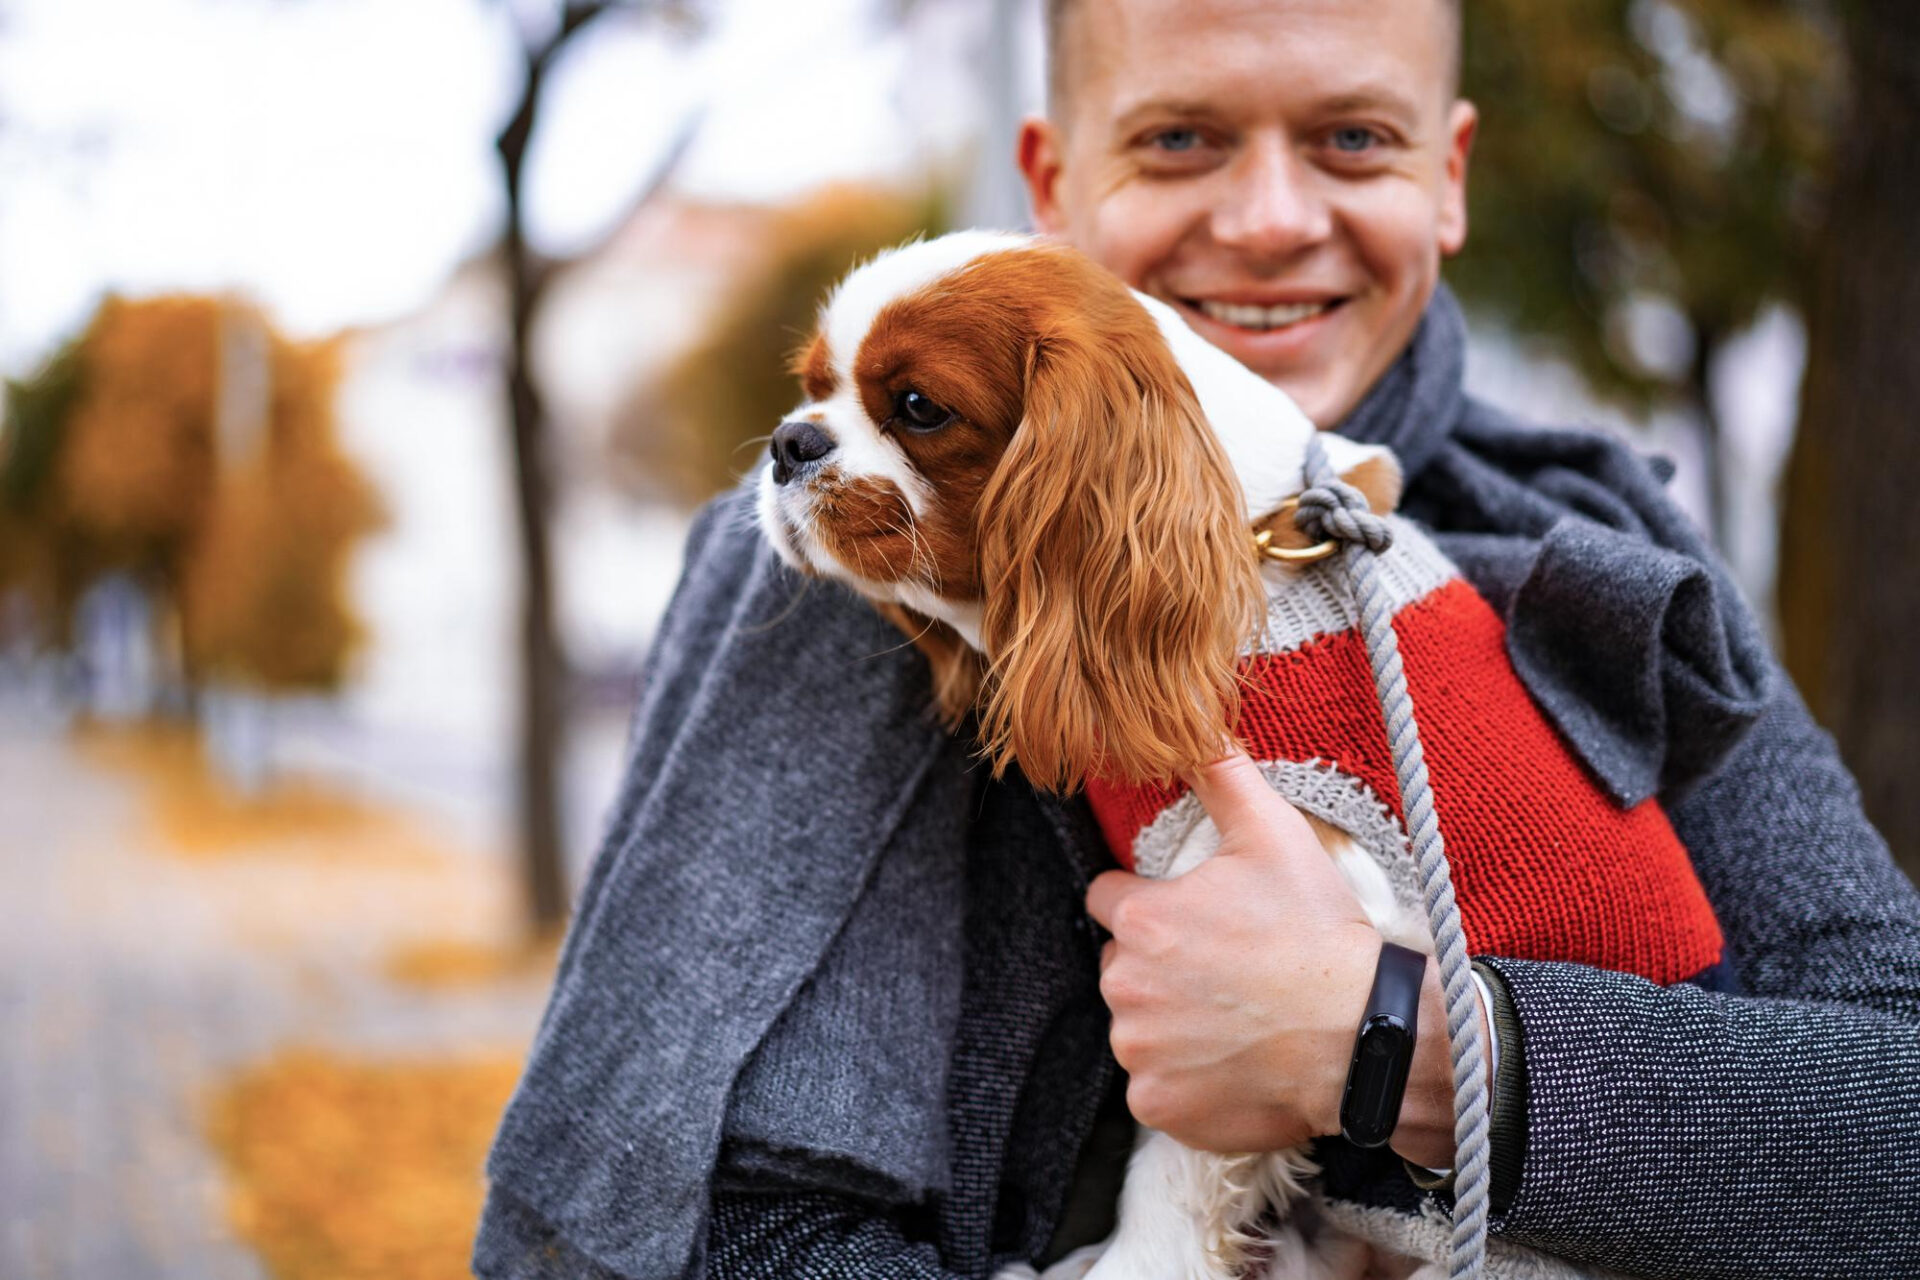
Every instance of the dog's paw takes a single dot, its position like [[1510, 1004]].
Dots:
[[1016, 1271]]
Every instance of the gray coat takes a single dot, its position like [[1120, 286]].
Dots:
[[829, 1003]]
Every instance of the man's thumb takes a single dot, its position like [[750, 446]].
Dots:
[[1237, 796]]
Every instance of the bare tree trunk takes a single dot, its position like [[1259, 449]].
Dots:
[[1713, 443], [1849, 584], [543, 668]]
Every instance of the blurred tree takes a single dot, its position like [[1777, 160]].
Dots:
[[543, 665], [263, 592], [136, 467], [1849, 600], [113, 460], [1648, 180], [689, 434], [36, 410]]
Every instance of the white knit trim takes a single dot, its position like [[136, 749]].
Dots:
[[1336, 798], [1306, 603]]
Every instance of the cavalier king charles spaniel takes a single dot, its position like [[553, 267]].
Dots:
[[1050, 483]]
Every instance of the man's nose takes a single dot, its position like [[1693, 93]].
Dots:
[[1276, 206], [795, 444]]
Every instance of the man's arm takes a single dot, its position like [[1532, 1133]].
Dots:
[[1676, 1131], [796, 1236], [1670, 1131]]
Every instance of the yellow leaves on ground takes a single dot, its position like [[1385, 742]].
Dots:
[[442, 963], [352, 1170]]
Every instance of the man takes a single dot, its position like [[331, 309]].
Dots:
[[830, 1005]]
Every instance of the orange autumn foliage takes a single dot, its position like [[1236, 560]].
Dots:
[[136, 467], [242, 529], [262, 596]]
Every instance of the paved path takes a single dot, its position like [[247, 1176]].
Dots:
[[132, 979]]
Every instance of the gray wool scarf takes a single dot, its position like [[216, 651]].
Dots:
[[762, 979]]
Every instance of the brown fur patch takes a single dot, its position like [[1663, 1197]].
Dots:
[[1379, 479], [813, 365], [1121, 580], [866, 525]]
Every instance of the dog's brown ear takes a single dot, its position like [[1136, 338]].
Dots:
[[1122, 577], [958, 668]]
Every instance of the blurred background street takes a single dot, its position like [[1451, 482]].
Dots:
[[365, 364]]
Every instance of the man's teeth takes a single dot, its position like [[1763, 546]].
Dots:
[[1263, 317]]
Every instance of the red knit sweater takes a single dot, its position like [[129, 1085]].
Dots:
[[1544, 866]]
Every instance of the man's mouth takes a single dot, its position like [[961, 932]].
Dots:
[[1261, 319]]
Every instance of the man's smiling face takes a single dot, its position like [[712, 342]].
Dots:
[[1286, 173]]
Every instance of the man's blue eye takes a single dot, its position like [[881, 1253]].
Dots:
[[1353, 139], [1177, 139]]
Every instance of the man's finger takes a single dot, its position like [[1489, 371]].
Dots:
[[1237, 796], [1108, 890]]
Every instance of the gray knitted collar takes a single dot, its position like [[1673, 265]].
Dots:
[[1413, 407]]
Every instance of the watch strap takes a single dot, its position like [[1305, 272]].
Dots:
[[1383, 1048]]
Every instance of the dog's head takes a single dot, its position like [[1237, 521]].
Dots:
[[1001, 448]]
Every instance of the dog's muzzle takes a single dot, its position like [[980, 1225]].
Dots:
[[795, 445]]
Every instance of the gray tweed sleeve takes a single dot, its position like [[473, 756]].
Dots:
[[1679, 1132], [787, 1235]]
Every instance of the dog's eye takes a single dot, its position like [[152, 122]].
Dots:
[[918, 413]]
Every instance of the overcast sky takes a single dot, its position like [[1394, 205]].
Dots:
[[333, 158]]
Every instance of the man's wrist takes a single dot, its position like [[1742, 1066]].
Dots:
[[1425, 1132], [1354, 982]]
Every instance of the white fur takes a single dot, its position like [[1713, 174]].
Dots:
[[1263, 430], [854, 306]]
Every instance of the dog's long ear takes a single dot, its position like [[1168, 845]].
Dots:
[[1122, 580]]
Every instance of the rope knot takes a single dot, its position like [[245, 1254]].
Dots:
[[1335, 511]]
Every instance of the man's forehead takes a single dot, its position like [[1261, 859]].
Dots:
[[1133, 52]]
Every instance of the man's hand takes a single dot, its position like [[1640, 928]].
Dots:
[[1237, 988]]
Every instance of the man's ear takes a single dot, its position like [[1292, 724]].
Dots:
[[1463, 120], [1040, 152]]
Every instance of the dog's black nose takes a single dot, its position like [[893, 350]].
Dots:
[[794, 445]]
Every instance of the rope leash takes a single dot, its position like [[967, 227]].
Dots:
[[1334, 510]]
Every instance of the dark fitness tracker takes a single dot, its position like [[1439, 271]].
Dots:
[[1383, 1050]]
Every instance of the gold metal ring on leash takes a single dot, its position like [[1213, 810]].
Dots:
[[1263, 542]]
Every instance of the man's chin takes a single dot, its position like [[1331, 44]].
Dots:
[[1301, 359]]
